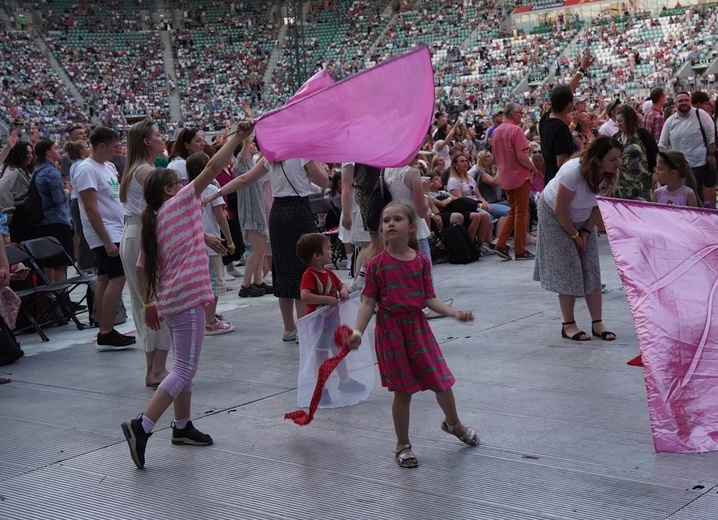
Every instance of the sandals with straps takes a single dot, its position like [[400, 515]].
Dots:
[[606, 335], [579, 336], [404, 456], [468, 437]]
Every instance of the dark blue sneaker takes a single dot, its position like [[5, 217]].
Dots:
[[137, 440]]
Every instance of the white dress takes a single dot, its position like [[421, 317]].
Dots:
[[400, 192]]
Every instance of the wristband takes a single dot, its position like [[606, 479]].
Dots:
[[581, 72], [151, 304], [230, 246], [426, 196], [575, 235], [357, 332]]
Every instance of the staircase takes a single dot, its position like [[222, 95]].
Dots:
[[274, 57], [169, 64]]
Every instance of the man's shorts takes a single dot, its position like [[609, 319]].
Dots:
[[705, 177], [110, 266]]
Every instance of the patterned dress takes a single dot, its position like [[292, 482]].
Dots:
[[634, 179], [408, 355]]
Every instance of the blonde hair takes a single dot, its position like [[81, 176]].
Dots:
[[137, 153]]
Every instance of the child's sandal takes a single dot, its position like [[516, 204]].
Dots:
[[469, 437], [404, 456]]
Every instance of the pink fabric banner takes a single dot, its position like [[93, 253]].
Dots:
[[378, 117], [667, 257]]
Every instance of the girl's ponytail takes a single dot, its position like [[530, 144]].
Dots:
[[155, 184], [683, 167]]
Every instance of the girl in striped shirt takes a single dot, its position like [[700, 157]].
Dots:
[[174, 279]]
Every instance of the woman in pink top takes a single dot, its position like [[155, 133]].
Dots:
[[174, 277]]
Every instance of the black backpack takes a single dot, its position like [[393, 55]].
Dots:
[[459, 247], [10, 350], [32, 207]]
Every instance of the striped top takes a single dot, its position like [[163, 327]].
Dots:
[[183, 267]]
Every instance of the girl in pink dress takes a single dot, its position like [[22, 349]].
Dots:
[[398, 280]]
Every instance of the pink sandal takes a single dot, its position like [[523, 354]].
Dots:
[[218, 327]]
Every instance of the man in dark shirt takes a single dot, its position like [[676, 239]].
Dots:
[[557, 144]]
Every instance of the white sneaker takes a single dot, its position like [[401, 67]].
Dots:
[[268, 278], [235, 272], [290, 335], [486, 250]]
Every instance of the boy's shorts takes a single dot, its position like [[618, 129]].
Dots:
[[216, 275]]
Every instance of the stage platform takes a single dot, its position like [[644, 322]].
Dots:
[[564, 425]]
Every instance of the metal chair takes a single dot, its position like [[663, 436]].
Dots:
[[32, 296], [43, 248]]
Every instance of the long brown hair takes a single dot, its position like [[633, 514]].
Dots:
[[179, 147], [591, 156], [137, 153], [454, 160], [154, 192]]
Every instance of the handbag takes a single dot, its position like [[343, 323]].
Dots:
[[380, 197]]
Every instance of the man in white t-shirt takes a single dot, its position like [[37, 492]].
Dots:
[[98, 187]]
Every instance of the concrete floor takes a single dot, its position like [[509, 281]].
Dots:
[[564, 426]]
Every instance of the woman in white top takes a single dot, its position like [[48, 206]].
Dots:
[[189, 141], [567, 259], [444, 138], [405, 185], [144, 143], [289, 219]]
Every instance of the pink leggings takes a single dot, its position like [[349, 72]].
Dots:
[[186, 331]]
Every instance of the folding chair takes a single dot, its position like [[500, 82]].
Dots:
[[46, 247], [324, 210], [29, 297]]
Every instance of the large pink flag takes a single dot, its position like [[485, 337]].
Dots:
[[667, 257], [378, 117]]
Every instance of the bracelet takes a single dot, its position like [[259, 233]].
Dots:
[[426, 196], [151, 304], [581, 72], [432, 214], [67, 192], [230, 246], [481, 205], [357, 332], [575, 235]]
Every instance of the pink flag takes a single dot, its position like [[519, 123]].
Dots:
[[319, 81], [378, 117], [667, 257]]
